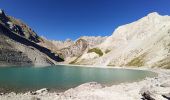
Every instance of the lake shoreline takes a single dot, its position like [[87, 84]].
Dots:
[[101, 71], [112, 67], [92, 90]]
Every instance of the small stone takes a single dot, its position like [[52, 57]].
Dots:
[[146, 94], [33, 93], [2, 93]]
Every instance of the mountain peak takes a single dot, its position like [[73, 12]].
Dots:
[[2, 12], [153, 14]]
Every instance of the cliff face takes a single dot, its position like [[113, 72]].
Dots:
[[18, 44], [145, 42]]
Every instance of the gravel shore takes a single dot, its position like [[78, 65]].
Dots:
[[157, 88]]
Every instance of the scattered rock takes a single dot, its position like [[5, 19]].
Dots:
[[2, 93], [166, 84], [41, 91], [147, 96], [167, 96], [33, 93], [44, 90]]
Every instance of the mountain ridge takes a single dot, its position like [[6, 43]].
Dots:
[[140, 43], [15, 35], [145, 42]]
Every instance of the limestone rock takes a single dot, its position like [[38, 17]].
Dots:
[[144, 42], [44, 90]]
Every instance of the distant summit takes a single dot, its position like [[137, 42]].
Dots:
[[2, 12], [153, 14]]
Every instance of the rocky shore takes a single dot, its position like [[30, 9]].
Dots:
[[157, 88]]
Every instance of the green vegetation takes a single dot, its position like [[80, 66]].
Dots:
[[107, 51], [75, 60], [137, 61], [111, 65], [97, 51], [1, 46], [165, 63]]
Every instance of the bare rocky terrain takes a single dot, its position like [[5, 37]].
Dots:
[[144, 42], [71, 50], [18, 45], [30, 49]]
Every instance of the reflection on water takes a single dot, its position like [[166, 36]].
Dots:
[[64, 77]]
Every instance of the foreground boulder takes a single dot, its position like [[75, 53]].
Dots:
[[41, 91]]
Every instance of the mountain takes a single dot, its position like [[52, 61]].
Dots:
[[145, 42], [19, 44], [70, 50]]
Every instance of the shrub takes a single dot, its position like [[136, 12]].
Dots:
[[107, 51]]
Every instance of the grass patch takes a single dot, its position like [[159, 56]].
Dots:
[[97, 51], [165, 63], [1, 46], [137, 61], [74, 61]]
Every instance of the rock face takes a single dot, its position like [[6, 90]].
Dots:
[[70, 50], [94, 41], [19, 44], [18, 27], [145, 42], [62, 44], [81, 45], [76, 49]]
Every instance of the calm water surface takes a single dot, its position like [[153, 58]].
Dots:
[[62, 77]]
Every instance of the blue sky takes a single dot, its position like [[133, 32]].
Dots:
[[62, 19]]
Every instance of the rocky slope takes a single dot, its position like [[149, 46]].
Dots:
[[70, 50], [19, 44], [80, 46], [145, 42]]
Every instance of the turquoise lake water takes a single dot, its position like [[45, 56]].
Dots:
[[62, 77]]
